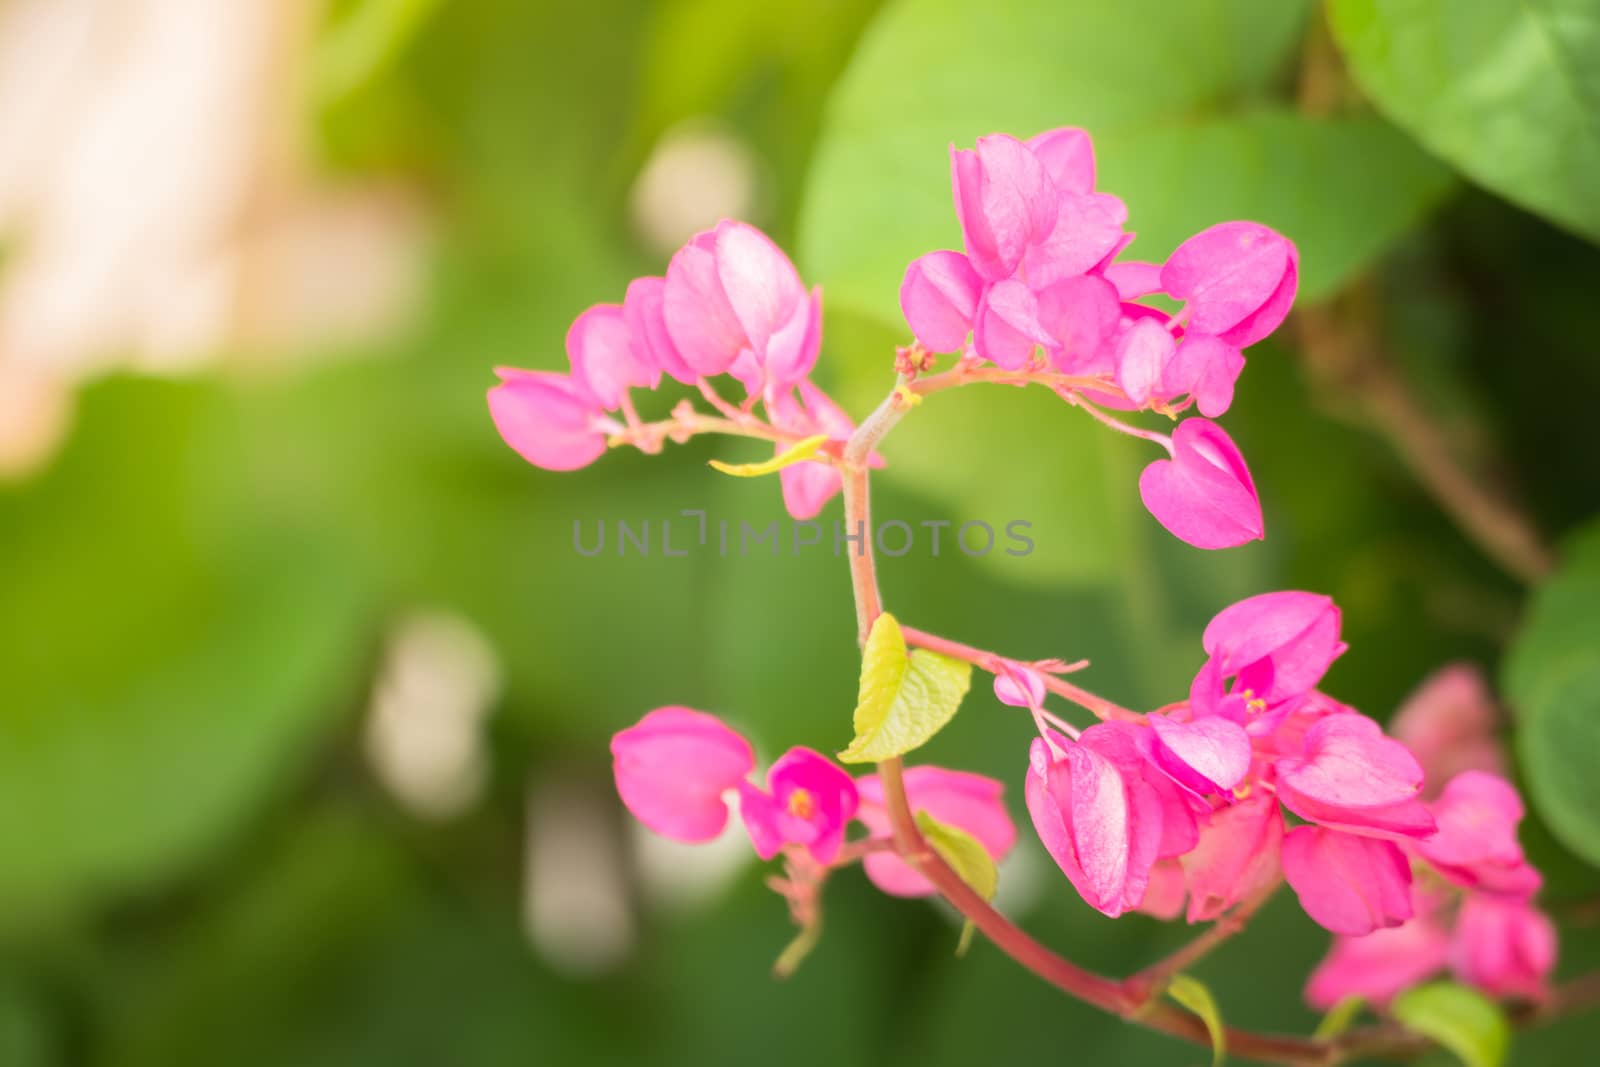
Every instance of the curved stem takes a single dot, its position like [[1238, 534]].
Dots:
[[991, 662]]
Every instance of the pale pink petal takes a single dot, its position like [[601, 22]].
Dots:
[[548, 418], [1236, 857], [1134, 278], [1008, 328], [1163, 897], [1019, 685], [968, 802], [761, 285], [1004, 202], [1142, 356], [1080, 315], [1506, 948], [1476, 844], [1227, 273], [1349, 763], [1206, 368], [700, 321], [606, 358], [1379, 965], [939, 298], [1087, 229], [792, 349], [1068, 157], [1348, 884], [1203, 495], [1207, 755], [1448, 723], [642, 308], [673, 767]]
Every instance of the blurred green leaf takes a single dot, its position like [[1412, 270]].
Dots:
[[1339, 1017], [1461, 1019], [362, 40], [1194, 995], [171, 650], [1507, 91], [1552, 675], [1180, 111], [967, 857], [904, 700]]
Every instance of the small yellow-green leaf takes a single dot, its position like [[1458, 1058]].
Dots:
[[903, 700], [1193, 994], [967, 857], [1461, 1019], [803, 449], [1339, 1018]]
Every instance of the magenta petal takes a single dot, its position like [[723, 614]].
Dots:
[[672, 768], [1348, 884], [1019, 685], [1134, 278], [1203, 495], [1008, 328], [1081, 315], [1227, 273], [549, 419], [642, 308], [1265, 319], [1379, 965], [700, 321], [1448, 723], [1051, 819], [809, 800], [761, 285], [792, 349], [1349, 763], [1207, 755], [1142, 356], [1237, 856], [1087, 229], [1506, 948], [1068, 157], [807, 488], [968, 802], [939, 298], [1476, 843], [1004, 202], [1279, 644], [605, 356], [1205, 368]]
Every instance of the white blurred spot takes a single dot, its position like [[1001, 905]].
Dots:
[[679, 877], [575, 900], [35, 412], [424, 733], [698, 174]]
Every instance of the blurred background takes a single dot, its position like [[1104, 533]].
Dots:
[[304, 693]]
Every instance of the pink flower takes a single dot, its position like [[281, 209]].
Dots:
[[809, 485], [673, 767], [1476, 845], [1506, 948], [550, 419], [1019, 685], [642, 309], [1350, 776], [1210, 755], [1098, 815], [1237, 856], [1205, 368], [1203, 495], [1237, 279], [967, 802], [1088, 228], [1005, 201], [939, 298], [1008, 330], [1067, 155], [1348, 884], [1448, 723], [1276, 646], [1379, 965], [808, 801], [605, 357], [734, 302], [1080, 316]]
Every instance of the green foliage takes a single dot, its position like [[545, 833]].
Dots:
[[1194, 995], [1461, 1019], [1553, 679], [967, 857], [1508, 92], [903, 699]]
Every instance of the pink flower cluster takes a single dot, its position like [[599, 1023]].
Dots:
[[1040, 285], [676, 768], [1194, 802], [731, 303]]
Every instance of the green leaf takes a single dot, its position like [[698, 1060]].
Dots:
[[967, 857], [1339, 1018], [1461, 1019], [1194, 995], [903, 700], [366, 39], [1508, 92], [1552, 677], [1186, 125], [803, 449]]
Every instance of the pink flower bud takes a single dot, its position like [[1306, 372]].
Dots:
[[732, 295], [808, 801], [642, 309], [1237, 279], [673, 767], [1506, 948], [1476, 844], [939, 298], [1379, 965], [1203, 495], [968, 802], [1019, 685], [1005, 201], [1236, 857], [1448, 723], [1352, 777], [1348, 884], [550, 419], [605, 357]]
